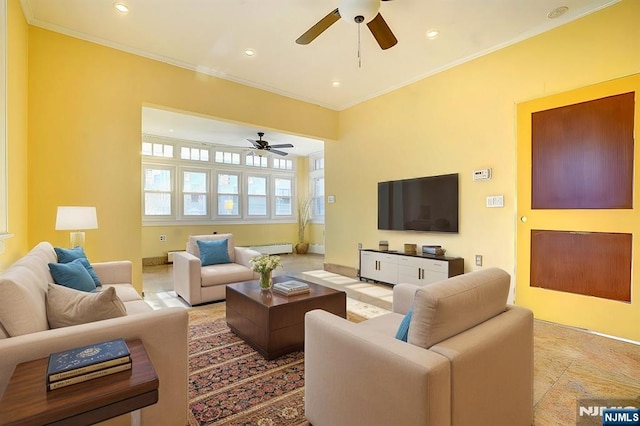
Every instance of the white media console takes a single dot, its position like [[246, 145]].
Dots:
[[397, 267]]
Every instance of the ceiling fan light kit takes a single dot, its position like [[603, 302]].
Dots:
[[358, 11]]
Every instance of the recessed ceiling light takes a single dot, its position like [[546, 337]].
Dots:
[[431, 34], [335, 83], [121, 7], [249, 52], [557, 12]]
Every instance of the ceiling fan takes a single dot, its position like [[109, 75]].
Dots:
[[357, 11], [261, 145]]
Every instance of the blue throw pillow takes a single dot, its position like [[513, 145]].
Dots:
[[214, 252], [69, 255], [73, 275], [403, 330]]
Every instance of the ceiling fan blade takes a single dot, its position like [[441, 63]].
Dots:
[[382, 32], [275, 151], [254, 143], [282, 145], [319, 27]]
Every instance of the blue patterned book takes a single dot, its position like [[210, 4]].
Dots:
[[98, 356]]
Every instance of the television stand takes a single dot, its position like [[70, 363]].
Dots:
[[397, 267]]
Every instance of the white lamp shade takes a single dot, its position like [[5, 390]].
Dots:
[[349, 9], [76, 218]]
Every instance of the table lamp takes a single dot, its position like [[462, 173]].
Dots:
[[76, 219]]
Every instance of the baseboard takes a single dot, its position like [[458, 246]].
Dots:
[[153, 261], [347, 271]]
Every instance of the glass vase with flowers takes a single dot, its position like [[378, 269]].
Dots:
[[264, 265]]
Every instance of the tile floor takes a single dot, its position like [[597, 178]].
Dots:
[[569, 363]]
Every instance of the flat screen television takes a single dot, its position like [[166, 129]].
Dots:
[[420, 204]]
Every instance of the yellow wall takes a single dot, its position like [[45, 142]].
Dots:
[[17, 89], [243, 235], [85, 105], [460, 120]]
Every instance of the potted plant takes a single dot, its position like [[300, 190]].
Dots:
[[304, 214]]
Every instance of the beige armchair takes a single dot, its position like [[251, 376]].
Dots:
[[198, 284], [468, 359]]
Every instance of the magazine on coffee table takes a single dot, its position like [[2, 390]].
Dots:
[[291, 287]]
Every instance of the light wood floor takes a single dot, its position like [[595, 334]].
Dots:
[[569, 364]]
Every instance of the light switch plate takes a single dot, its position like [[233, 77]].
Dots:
[[494, 201], [331, 199]]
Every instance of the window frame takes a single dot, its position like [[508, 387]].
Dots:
[[214, 169], [215, 213], [248, 175], [207, 193], [314, 175], [275, 196], [172, 191]]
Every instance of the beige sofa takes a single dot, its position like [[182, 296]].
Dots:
[[198, 284], [468, 359], [25, 333]]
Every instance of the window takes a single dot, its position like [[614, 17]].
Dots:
[[194, 193], [228, 194], [316, 183], [318, 197], [256, 160], [157, 149], [256, 196], [203, 184], [227, 157], [157, 191], [281, 163], [318, 164], [282, 192], [195, 154]]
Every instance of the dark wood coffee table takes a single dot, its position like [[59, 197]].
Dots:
[[27, 401], [273, 324]]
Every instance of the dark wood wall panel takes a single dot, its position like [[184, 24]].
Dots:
[[590, 263], [582, 155]]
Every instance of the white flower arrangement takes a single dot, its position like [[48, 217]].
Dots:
[[265, 263]]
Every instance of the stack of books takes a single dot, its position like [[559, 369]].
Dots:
[[289, 288], [88, 362]]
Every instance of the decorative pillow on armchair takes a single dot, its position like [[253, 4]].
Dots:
[[214, 252], [66, 306]]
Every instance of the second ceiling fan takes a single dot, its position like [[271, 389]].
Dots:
[[262, 145], [357, 11]]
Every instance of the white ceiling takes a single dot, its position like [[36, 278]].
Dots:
[[189, 127], [211, 36]]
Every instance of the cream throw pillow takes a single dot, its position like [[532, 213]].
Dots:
[[66, 306]]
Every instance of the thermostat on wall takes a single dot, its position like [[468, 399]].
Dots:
[[482, 174]]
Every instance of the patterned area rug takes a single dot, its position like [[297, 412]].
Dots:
[[232, 384]]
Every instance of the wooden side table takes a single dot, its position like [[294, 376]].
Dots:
[[27, 401]]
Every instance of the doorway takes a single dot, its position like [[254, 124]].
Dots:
[[614, 317]]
